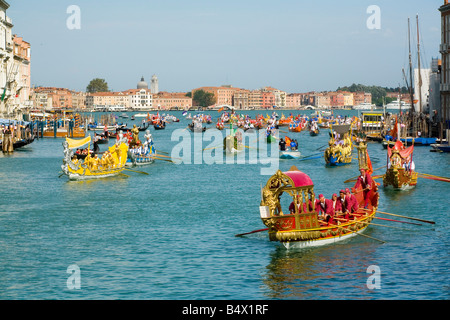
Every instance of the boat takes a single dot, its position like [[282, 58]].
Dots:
[[436, 147], [340, 147], [220, 126], [124, 116], [101, 138], [295, 127], [400, 172], [364, 106], [111, 164], [303, 228], [142, 154], [160, 125], [313, 132], [290, 154], [197, 128], [398, 105], [418, 141]]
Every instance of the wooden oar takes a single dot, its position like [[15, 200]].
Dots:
[[407, 222], [256, 231], [431, 177], [136, 171], [417, 224], [371, 223], [400, 216]]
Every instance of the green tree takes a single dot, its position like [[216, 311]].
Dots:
[[97, 85], [203, 99]]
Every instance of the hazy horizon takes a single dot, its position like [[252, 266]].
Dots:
[[294, 46]]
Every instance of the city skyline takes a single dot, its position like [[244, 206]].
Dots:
[[290, 45]]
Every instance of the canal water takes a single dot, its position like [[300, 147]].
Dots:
[[170, 235]]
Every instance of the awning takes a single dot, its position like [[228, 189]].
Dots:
[[75, 143]]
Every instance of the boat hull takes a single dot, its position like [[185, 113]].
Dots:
[[290, 154], [399, 179], [139, 161], [292, 245]]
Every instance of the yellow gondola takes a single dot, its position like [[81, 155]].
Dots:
[[112, 162]]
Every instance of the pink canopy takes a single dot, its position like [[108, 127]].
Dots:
[[300, 179]]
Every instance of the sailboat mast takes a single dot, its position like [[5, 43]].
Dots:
[[411, 93], [418, 58]]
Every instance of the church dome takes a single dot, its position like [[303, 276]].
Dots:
[[142, 84]]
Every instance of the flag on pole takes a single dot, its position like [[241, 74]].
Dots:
[[3, 94]]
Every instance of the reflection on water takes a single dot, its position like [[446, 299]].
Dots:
[[311, 273]]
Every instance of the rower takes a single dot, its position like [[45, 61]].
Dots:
[[351, 205], [365, 181]]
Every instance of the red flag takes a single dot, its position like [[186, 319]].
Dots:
[[369, 164]]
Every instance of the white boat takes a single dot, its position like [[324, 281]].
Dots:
[[396, 105], [289, 154], [364, 106]]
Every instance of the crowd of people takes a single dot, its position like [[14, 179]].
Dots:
[[339, 207]]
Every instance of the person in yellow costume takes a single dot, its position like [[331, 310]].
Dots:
[[95, 163], [88, 161]]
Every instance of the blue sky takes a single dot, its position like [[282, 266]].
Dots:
[[295, 46]]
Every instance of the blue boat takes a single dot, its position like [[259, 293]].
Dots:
[[440, 147], [420, 141]]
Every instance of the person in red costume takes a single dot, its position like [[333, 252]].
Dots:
[[351, 203], [324, 208], [365, 181]]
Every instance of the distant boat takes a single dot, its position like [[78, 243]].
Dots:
[[124, 115], [289, 154], [396, 105], [440, 147], [364, 106]]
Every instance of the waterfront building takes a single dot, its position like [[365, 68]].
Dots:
[[444, 113], [322, 100], [105, 100], [241, 99], [15, 56], [223, 94], [294, 100], [140, 99], [171, 100], [78, 100], [255, 99], [434, 102], [49, 98], [336, 99], [279, 96], [348, 99], [268, 99], [361, 97]]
